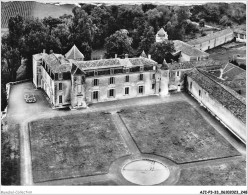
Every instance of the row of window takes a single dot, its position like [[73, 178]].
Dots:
[[111, 92], [112, 79]]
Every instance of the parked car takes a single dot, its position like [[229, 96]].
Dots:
[[29, 98]]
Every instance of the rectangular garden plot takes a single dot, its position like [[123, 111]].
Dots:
[[229, 173], [74, 146], [177, 131]]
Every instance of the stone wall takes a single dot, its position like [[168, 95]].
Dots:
[[218, 110]]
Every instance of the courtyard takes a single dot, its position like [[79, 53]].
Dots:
[[91, 146]]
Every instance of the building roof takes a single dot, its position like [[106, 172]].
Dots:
[[188, 49], [229, 100], [210, 36], [161, 33], [116, 62], [240, 31], [143, 54], [205, 64], [56, 62], [230, 71], [74, 53]]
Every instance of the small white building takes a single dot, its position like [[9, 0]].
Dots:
[[161, 35], [240, 35]]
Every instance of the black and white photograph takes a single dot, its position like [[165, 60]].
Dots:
[[123, 97]]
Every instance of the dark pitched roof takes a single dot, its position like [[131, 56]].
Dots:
[[116, 62], [188, 49], [210, 36], [56, 62], [228, 99], [94, 64], [206, 64]]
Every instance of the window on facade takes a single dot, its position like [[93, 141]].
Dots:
[[127, 78], [60, 99], [111, 80], [126, 90], [95, 95], [60, 86], [60, 76], [177, 73], [199, 92], [153, 86], [190, 85], [141, 89], [79, 89], [153, 76], [141, 77], [111, 92], [95, 82]]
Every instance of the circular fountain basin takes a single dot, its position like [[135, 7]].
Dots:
[[145, 172]]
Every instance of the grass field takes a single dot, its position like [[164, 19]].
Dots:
[[176, 131], [230, 174], [225, 54], [73, 146]]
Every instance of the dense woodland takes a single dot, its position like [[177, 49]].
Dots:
[[117, 28]]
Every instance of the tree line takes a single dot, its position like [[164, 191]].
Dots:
[[128, 29]]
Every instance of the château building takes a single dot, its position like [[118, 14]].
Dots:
[[71, 82]]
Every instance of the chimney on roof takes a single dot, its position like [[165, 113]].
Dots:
[[221, 73], [126, 55], [51, 51], [116, 55], [101, 57], [149, 56], [44, 50]]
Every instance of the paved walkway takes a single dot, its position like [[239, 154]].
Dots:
[[121, 127]]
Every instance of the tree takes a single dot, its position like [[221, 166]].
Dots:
[[82, 31], [16, 30], [118, 43], [100, 18], [202, 23], [12, 58], [147, 39], [154, 18], [183, 14], [162, 50], [3, 97], [51, 22]]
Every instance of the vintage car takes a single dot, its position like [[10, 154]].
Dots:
[[29, 98]]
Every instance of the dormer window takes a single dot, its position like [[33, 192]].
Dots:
[[141, 68], [127, 70], [60, 76]]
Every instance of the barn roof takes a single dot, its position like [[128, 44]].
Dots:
[[188, 49], [210, 36], [224, 96]]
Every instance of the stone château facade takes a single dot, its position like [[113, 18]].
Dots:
[[76, 83]]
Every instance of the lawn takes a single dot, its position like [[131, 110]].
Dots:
[[226, 54], [74, 146], [232, 173], [176, 131]]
